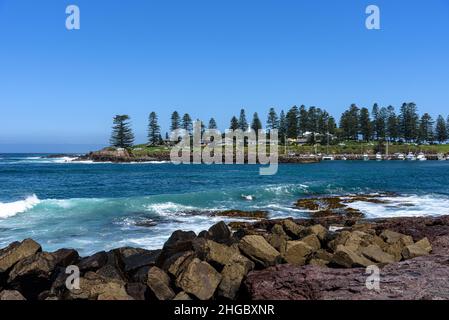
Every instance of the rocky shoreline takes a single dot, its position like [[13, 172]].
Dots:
[[125, 156], [316, 258]]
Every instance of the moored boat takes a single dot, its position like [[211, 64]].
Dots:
[[421, 157]]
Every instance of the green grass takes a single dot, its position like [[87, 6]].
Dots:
[[350, 147]]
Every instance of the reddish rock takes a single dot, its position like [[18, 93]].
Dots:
[[419, 278]]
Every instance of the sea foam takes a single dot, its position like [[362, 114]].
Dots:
[[12, 208]]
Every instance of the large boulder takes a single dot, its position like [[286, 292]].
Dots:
[[392, 237], [179, 263], [199, 279], [34, 274], [317, 230], [93, 262], [159, 284], [292, 229], [95, 287], [375, 253], [232, 276], [259, 250], [345, 257], [215, 253], [298, 252], [220, 233], [179, 241], [17, 251], [135, 258], [313, 241], [413, 251]]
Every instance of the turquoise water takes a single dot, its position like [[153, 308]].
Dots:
[[98, 206]]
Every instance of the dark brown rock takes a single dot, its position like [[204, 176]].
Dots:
[[94, 262], [259, 250], [159, 284], [199, 279], [179, 241], [17, 251]]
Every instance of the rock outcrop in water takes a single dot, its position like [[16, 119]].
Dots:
[[268, 259]]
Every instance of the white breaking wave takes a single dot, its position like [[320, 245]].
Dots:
[[405, 206], [169, 209], [11, 209]]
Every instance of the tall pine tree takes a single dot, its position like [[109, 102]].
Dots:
[[212, 124], [292, 123], [175, 121], [154, 130], [441, 130], [256, 125], [234, 124], [122, 135], [273, 120], [187, 123], [365, 124], [243, 123]]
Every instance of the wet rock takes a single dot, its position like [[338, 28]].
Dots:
[[33, 274], [243, 214], [199, 279], [159, 284], [65, 257], [375, 253], [298, 252], [134, 258], [259, 250], [179, 241], [347, 258], [232, 276], [94, 262], [220, 233], [11, 295], [17, 251]]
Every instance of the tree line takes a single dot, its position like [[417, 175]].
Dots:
[[312, 124]]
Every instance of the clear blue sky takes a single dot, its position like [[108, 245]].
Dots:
[[208, 58]]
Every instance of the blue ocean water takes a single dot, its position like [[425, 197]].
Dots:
[[100, 206]]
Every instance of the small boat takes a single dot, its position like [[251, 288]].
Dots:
[[248, 197], [378, 156], [441, 157], [421, 157], [328, 158], [344, 158], [411, 157], [400, 156], [365, 157]]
